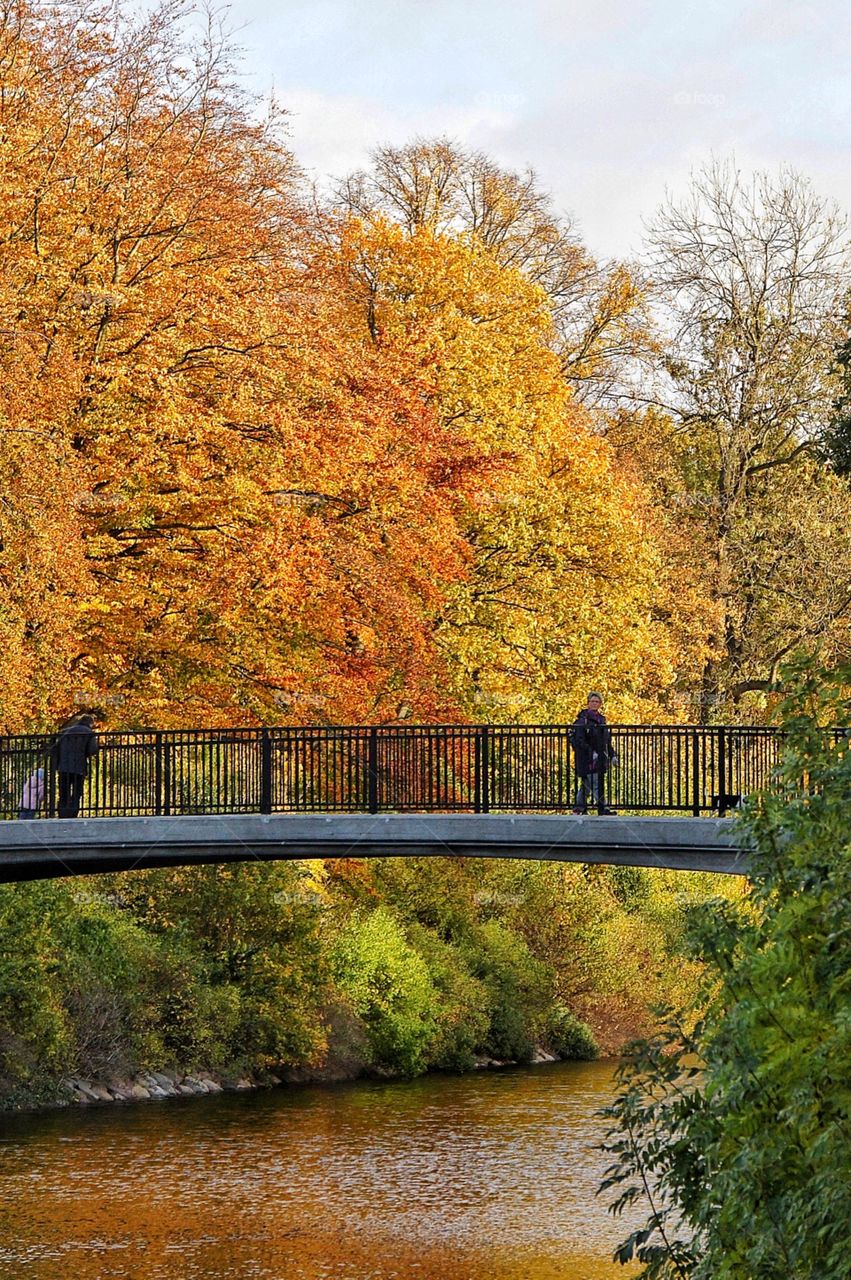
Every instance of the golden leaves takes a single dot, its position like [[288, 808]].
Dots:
[[293, 467]]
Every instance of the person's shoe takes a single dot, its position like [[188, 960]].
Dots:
[[608, 813], [580, 810]]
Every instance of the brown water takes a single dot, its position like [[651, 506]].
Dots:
[[490, 1175]]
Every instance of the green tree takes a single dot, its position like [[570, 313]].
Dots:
[[389, 987], [735, 1118], [837, 440], [34, 1028], [254, 933]]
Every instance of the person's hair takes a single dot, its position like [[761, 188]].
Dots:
[[594, 694], [86, 719]]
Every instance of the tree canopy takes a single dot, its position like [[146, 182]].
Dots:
[[405, 451]]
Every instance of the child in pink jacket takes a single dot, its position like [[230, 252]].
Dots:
[[32, 794]]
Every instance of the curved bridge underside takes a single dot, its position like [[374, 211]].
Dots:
[[46, 848]]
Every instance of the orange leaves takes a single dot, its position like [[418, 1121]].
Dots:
[[288, 468], [559, 586]]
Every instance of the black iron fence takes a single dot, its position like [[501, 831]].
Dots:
[[439, 768]]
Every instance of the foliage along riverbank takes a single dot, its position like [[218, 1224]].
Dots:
[[737, 1111], [329, 970]]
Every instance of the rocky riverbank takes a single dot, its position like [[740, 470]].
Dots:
[[153, 1086]]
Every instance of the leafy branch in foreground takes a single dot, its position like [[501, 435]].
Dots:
[[734, 1121]]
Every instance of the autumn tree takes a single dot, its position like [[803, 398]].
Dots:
[[837, 437], [248, 509], [663, 463], [41, 560], [597, 309], [561, 573], [752, 273]]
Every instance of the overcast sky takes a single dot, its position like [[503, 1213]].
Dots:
[[610, 101]]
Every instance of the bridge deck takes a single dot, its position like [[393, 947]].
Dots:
[[47, 848]]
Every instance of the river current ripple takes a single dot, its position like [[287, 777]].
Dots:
[[443, 1178]]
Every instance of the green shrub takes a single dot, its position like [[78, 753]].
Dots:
[[116, 980], [462, 1004], [247, 939], [388, 985], [519, 987], [568, 1036], [736, 1115], [35, 1035], [631, 887]]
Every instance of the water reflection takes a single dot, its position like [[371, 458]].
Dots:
[[493, 1174]]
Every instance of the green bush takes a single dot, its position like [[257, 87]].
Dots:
[[630, 886], [388, 985], [462, 1004], [119, 981], [35, 1032], [247, 939], [199, 1022], [568, 1036], [442, 894], [519, 986]]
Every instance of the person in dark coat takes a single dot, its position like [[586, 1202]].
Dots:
[[75, 745], [593, 752]]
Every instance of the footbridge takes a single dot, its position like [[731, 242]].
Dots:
[[36, 849], [165, 797]]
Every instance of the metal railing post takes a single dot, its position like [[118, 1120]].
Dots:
[[722, 772], [695, 773], [372, 770], [158, 772], [50, 789], [50, 780], [265, 771], [477, 771], [166, 766], [484, 769]]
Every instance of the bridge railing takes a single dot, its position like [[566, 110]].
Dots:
[[397, 768]]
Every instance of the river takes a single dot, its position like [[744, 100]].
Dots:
[[491, 1175]]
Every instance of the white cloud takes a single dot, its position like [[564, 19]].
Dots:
[[609, 100], [333, 134]]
